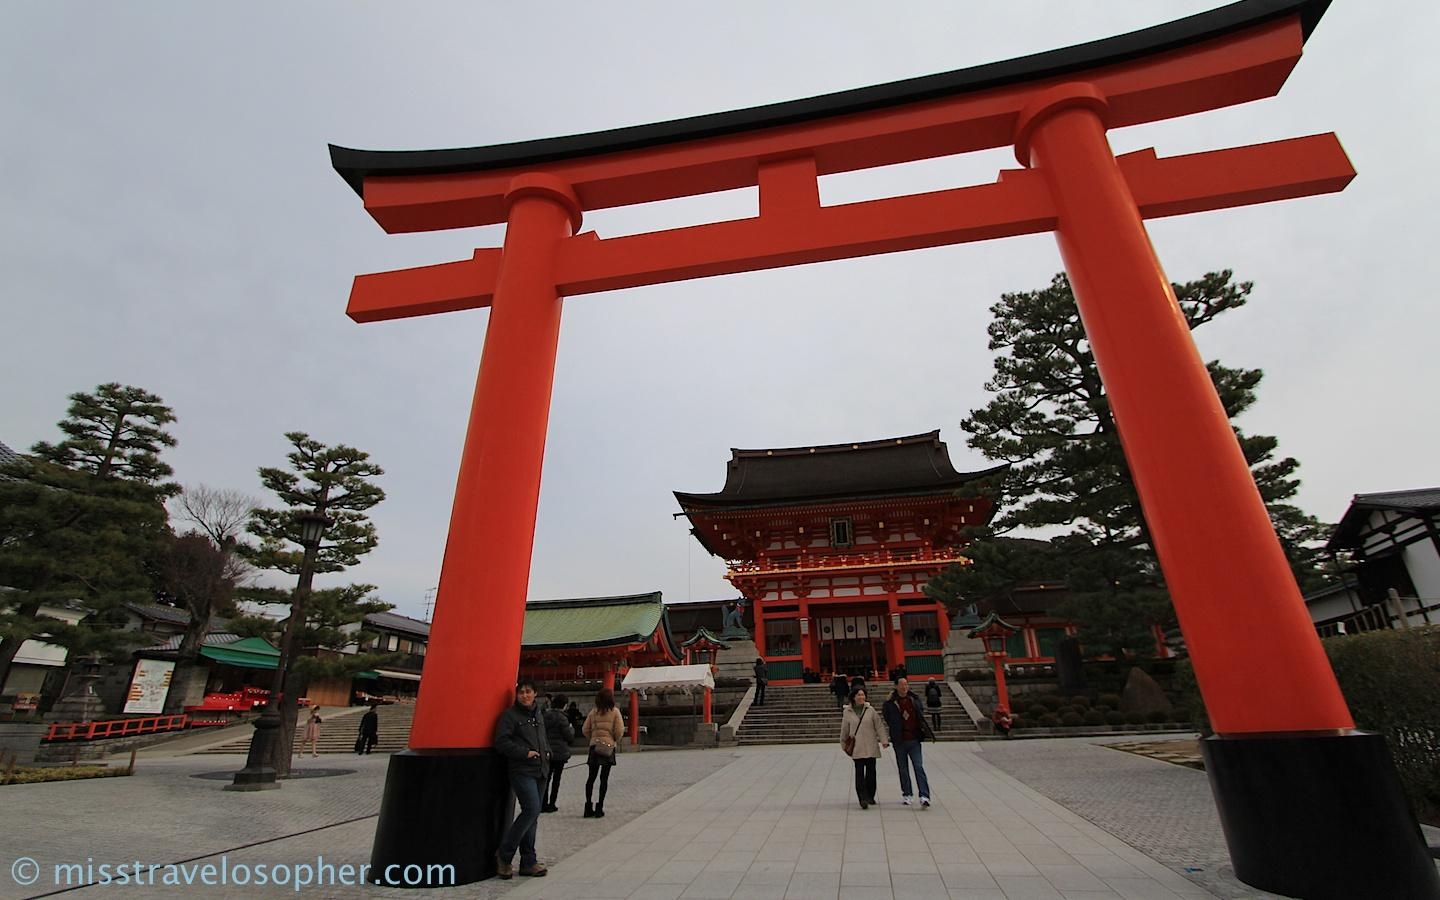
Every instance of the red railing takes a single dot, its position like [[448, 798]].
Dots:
[[89, 731], [874, 559]]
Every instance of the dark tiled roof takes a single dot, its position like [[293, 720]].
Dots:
[[915, 464], [213, 639], [1418, 502], [158, 612], [397, 622], [7, 457]]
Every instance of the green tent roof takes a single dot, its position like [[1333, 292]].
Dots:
[[591, 621], [248, 653]]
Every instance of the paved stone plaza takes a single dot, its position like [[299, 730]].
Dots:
[[761, 822]]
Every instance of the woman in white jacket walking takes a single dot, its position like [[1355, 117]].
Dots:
[[862, 737]]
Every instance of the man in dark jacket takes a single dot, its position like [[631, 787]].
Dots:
[[762, 678], [520, 738], [559, 733], [905, 716], [840, 687], [369, 730]]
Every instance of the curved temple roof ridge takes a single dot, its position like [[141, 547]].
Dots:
[[356, 165]]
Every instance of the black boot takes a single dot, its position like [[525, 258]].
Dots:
[[600, 810], [589, 810]]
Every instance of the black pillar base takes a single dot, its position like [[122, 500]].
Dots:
[[258, 774], [441, 808], [1318, 816]]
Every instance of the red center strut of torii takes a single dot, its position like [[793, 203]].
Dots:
[[1284, 734]]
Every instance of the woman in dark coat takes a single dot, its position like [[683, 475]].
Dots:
[[559, 733], [840, 687], [932, 702]]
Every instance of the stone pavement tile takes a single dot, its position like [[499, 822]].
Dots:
[[702, 850], [865, 853], [812, 861], [868, 892], [749, 891], [651, 891], [713, 885], [910, 886], [748, 842], [948, 853], [780, 851], [1072, 877], [1012, 865], [681, 871], [1025, 887], [920, 863], [769, 872], [813, 886], [866, 833], [730, 861], [1140, 889], [1048, 854], [859, 874], [821, 842], [980, 894], [1090, 895], [968, 877]]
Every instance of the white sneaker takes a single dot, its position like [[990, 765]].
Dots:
[[905, 799], [925, 802]]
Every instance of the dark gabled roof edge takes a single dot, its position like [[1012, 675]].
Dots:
[[354, 165]]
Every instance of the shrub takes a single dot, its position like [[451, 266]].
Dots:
[[1053, 701], [1114, 718], [1036, 710], [1094, 717], [1110, 700], [34, 775], [1071, 720], [1190, 706], [1079, 701], [1101, 708], [1064, 711], [1390, 680], [1049, 720], [1134, 718], [1159, 716]]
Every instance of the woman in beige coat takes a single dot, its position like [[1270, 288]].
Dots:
[[862, 722], [604, 727]]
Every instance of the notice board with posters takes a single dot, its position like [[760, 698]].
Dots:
[[149, 685]]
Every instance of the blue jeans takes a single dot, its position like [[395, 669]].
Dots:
[[521, 832], [907, 753]]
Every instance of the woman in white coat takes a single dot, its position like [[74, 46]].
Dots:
[[862, 736]]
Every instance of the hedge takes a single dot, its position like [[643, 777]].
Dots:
[[1391, 680]]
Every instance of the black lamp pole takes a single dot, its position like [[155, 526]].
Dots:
[[259, 774]]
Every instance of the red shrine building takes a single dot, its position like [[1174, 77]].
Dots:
[[832, 546]]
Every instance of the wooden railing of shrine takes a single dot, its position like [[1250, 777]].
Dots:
[[89, 731]]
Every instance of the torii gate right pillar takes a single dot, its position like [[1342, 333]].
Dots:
[[1285, 758]]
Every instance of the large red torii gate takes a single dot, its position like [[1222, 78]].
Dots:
[[1284, 734]]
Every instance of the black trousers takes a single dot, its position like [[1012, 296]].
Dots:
[[603, 771], [865, 779], [557, 768], [760, 692]]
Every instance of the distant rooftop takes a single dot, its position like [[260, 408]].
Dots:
[[1421, 502]]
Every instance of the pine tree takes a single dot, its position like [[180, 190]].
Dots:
[[1050, 419], [333, 482], [82, 525]]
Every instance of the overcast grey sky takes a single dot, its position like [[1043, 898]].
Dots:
[[170, 220]]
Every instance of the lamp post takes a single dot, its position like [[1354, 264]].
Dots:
[[259, 774], [995, 632]]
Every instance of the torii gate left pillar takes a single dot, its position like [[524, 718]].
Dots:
[[1311, 807]]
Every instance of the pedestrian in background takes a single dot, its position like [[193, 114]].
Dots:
[[559, 734], [604, 728], [840, 687], [312, 733], [520, 737], [369, 730], [932, 703], [862, 738], [762, 678], [906, 720]]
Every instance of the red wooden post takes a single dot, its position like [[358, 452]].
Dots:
[[635, 718], [706, 706], [1200, 500], [1002, 693], [609, 680]]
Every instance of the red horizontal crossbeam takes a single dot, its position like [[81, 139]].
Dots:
[[793, 229]]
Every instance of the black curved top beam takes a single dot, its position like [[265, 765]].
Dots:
[[354, 165]]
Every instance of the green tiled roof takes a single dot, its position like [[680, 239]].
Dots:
[[249, 653], [592, 621]]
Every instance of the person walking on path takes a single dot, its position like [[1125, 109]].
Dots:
[[312, 733], [862, 738], [840, 687], [762, 678], [604, 727], [520, 738], [932, 702], [559, 733], [369, 731], [906, 721]]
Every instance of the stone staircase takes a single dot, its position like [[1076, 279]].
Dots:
[[806, 714], [338, 732]]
